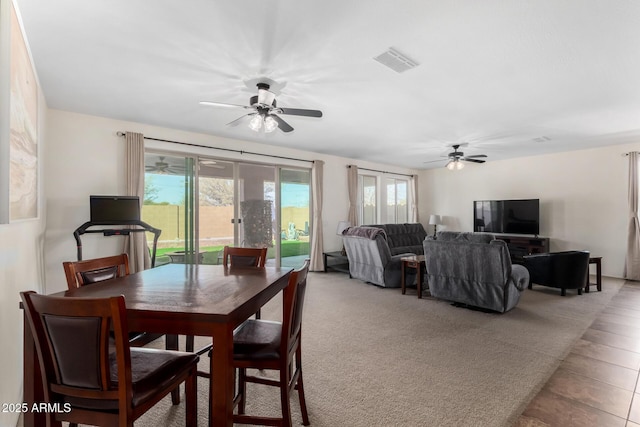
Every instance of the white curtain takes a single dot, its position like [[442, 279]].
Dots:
[[632, 262], [352, 185], [317, 247], [135, 245], [413, 191]]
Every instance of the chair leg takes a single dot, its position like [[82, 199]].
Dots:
[[284, 398], [563, 292], [300, 387], [258, 314], [191, 398], [242, 389], [579, 291], [189, 344], [171, 343]]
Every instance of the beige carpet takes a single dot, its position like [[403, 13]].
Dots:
[[375, 357]]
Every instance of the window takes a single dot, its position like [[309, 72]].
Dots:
[[367, 199], [396, 207], [393, 193]]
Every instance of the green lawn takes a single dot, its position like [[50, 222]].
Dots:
[[288, 248]]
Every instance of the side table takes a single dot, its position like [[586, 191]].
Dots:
[[416, 262], [341, 262], [597, 260]]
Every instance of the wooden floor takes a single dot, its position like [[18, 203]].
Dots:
[[597, 383]]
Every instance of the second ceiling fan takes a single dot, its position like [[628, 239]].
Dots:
[[457, 157], [264, 115]]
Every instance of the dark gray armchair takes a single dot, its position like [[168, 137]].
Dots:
[[563, 270]]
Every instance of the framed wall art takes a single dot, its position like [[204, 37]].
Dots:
[[23, 124]]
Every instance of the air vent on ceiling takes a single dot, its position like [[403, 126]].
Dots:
[[542, 139], [396, 61]]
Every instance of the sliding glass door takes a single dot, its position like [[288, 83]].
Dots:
[[256, 218], [216, 209], [202, 204], [295, 214], [169, 205]]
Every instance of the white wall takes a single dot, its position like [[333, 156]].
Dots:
[[21, 256], [583, 197], [87, 158]]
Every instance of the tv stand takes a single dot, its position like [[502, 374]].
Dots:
[[519, 246]]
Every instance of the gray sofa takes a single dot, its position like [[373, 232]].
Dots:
[[473, 269], [374, 251], [403, 238]]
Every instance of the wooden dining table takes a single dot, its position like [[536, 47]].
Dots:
[[184, 299]]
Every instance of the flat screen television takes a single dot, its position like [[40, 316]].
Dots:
[[114, 209], [507, 216]]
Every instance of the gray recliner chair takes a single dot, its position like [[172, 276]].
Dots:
[[473, 269]]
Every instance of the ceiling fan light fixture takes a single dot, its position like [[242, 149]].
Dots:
[[270, 124], [256, 123], [454, 164]]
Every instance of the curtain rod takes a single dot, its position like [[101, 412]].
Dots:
[[375, 170], [120, 133]]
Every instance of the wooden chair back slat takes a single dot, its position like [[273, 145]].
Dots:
[[244, 257], [78, 273]]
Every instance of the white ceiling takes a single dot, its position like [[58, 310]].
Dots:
[[497, 74]]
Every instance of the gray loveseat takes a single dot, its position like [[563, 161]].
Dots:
[[374, 251], [473, 269]]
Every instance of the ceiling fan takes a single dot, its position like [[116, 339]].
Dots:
[[457, 157], [162, 167], [264, 113]]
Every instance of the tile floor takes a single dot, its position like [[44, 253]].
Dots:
[[597, 383]]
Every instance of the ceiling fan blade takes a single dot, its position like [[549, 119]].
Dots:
[[175, 171], [300, 112], [240, 119], [284, 126], [466, 159], [433, 161], [211, 164], [475, 156], [222, 104]]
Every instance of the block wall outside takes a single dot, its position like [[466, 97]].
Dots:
[[296, 215], [215, 222]]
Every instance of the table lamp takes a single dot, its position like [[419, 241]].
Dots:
[[435, 221], [342, 225]]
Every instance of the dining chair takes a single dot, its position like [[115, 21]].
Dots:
[[244, 257], [80, 273], [266, 345], [87, 272], [92, 383], [238, 258]]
